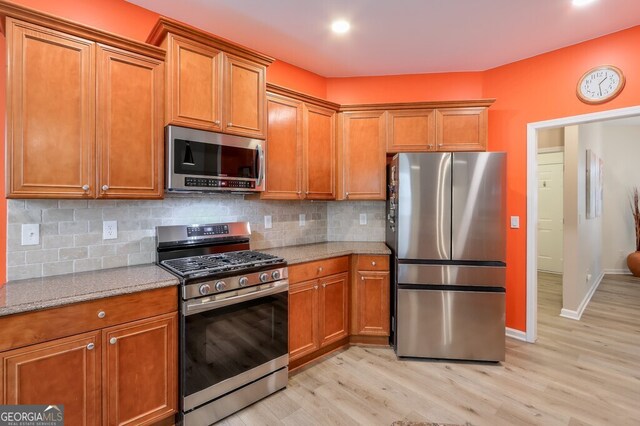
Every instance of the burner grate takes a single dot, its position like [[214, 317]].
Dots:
[[222, 262]]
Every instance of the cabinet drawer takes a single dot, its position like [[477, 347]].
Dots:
[[319, 268], [33, 327], [373, 263]]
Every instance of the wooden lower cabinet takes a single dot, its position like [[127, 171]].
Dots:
[[372, 315], [122, 372], [334, 308], [60, 372], [140, 371], [303, 319]]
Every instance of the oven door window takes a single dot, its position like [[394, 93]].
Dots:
[[205, 159], [222, 343]]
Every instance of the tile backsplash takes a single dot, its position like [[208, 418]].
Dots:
[[71, 230]]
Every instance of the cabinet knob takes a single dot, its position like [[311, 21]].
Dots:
[[315, 287], [306, 193], [101, 314], [85, 187], [373, 263], [299, 192], [217, 122], [105, 187], [324, 285], [429, 146], [113, 340], [320, 269], [229, 124], [362, 277], [90, 346], [346, 195], [440, 144]]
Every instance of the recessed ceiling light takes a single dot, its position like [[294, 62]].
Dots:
[[340, 26], [581, 2]]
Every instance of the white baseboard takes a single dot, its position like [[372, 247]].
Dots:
[[577, 314], [617, 271], [516, 334]]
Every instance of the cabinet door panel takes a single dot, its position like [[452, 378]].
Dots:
[[334, 320], [319, 153], [284, 149], [244, 97], [411, 130], [303, 322], [193, 85], [130, 135], [63, 371], [461, 129], [50, 114], [363, 155], [373, 303], [140, 371]]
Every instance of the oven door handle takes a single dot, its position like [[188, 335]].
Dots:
[[191, 308]]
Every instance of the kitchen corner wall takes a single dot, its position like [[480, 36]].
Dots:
[[71, 230]]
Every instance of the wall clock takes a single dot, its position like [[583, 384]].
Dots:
[[600, 84]]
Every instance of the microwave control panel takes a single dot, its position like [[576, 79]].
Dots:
[[219, 183]]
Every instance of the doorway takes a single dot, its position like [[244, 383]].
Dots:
[[533, 131]]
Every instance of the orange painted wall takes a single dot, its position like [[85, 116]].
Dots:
[[298, 79], [543, 88], [405, 88]]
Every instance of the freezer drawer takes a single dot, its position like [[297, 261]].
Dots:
[[466, 325], [461, 275]]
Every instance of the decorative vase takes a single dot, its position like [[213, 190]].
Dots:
[[633, 262]]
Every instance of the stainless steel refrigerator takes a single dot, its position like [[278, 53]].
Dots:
[[446, 227]]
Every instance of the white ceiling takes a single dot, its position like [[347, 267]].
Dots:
[[401, 36]]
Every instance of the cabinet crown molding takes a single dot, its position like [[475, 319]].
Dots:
[[283, 91], [12, 10], [470, 103], [167, 25]]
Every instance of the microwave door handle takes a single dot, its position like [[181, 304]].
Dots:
[[260, 158]]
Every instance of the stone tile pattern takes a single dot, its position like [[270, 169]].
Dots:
[[71, 230], [343, 221]]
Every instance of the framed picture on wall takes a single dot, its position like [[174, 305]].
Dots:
[[591, 184]]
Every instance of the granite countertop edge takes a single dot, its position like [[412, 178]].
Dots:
[[319, 251]]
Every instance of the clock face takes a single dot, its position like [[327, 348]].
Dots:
[[600, 84]]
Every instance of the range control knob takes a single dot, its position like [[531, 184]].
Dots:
[[205, 289], [221, 285], [264, 277], [243, 281], [275, 275]]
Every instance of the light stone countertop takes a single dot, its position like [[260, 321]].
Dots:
[[318, 251], [48, 292]]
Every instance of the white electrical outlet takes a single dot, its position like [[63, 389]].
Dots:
[[30, 234], [302, 219], [267, 222], [515, 222], [109, 230], [363, 218]]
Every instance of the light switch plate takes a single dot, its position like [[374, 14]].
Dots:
[[109, 230], [515, 222], [363, 218], [302, 219], [267, 222], [30, 234]]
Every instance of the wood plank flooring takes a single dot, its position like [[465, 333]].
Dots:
[[583, 372]]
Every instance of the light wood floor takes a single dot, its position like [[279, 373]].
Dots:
[[578, 373]]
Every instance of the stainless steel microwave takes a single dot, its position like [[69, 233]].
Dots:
[[202, 161]]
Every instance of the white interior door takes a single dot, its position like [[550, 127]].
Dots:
[[550, 216]]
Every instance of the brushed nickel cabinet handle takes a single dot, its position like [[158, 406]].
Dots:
[[229, 124], [90, 346], [373, 263], [315, 287], [102, 314], [346, 195], [105, 187], [440, 144], [362, 277], [324, 285], [85, 187], [217, 122], [320, 269], [113, 340]]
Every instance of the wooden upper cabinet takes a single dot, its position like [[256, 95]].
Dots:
[[411, 130], [244, 97], [361, 158], [129, 125], [194, 84], [461, 129], [50, 112], [62, 371], [140, 371], [284, 149], [319, 129]]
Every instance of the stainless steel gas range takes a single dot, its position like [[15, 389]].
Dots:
[[233, 318]]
